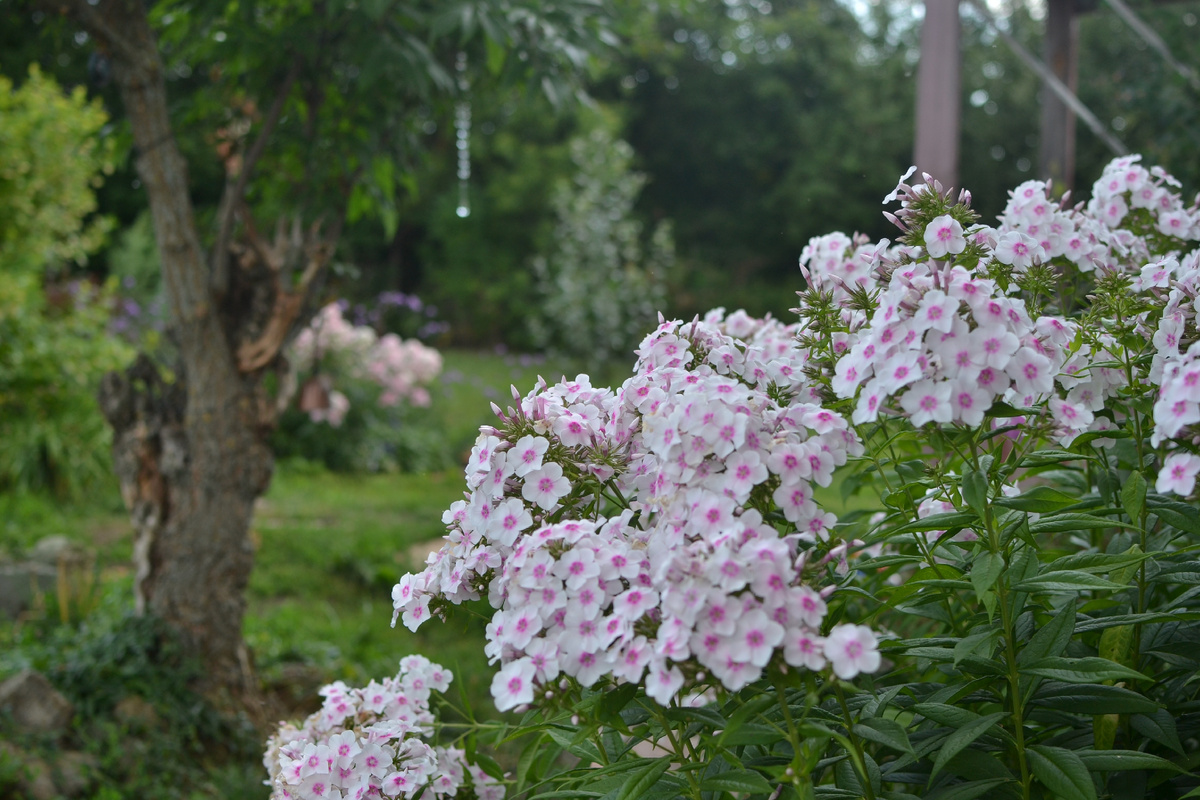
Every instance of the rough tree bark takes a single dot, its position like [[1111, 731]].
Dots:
[[191, 453]]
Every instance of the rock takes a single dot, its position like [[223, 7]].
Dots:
[[19, 582], [73, 771], [137, 712], [35, 705], [51, 549]]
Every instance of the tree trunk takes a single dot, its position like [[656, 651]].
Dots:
[[191, 456]]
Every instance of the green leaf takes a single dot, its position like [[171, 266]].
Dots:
[[1100, 623], [1104, 730], [575, 744], [1158, 726], [886, 732], [1062, 772], [968, 790], [961, 738], [1115, 643], [975, 491], [1094, 698], [1097, 562], [1074, 522], [938, 522], [1064, 581], [943, 714], [982, 643], [1038, 500], [488, 765], [984, 571], [1174, 513], [1051, 639], [747, 710], [1185, 577], [615, 701], [750, 733], [640, 780], [1081, 670], [737, 780], [705, 716], [1040, 458], [1114, 760], [1133, 496]]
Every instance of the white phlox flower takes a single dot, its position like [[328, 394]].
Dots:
[[676, 575], [371, 742]]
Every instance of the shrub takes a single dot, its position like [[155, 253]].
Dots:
[[601, 284], [147, 732], [53, 343], [363, 399]]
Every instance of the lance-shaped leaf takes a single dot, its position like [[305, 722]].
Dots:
[[1062, 772], [1081, 670], [963, 737]]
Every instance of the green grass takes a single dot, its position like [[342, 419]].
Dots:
[[330, 547]]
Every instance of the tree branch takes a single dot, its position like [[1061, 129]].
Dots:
[[105, 22], [285, 252], [235, 190]]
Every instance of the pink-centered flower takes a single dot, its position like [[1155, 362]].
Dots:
[[852, 649], [944, 236]]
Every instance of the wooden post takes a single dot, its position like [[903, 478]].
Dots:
[[1061, 53], [939, 93]]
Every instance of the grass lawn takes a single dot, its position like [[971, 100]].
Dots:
[[330, 547]]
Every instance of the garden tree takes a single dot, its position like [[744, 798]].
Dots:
[[310, 112]]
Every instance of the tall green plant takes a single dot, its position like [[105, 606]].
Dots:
[[54, 345], [602, 283]]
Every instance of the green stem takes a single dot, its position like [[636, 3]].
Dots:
[[861, 761], [677, 751], [1014, 684], [793, 735]]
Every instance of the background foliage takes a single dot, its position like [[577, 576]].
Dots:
[[54, 341]]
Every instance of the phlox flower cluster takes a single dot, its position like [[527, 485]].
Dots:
[[372, 742], [1035, 228], [662, 533], [402, 369], [837, 263], [944, 345], [1125, 186], [1176, 368]]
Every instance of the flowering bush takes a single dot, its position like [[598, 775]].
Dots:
[[371, 742], [964, 480], [359, 396]]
